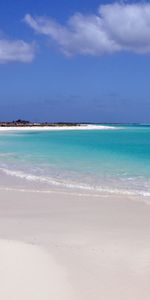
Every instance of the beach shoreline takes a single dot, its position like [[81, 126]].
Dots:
[[80, 233]]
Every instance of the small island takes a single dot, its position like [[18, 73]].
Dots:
[[25, 123]]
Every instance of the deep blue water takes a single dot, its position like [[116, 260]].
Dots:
[[112, 160]]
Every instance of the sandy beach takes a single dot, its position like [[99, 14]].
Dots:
[[74, 150], [55, 128], [71, 246]]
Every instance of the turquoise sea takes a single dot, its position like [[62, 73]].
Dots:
[[114, 160]]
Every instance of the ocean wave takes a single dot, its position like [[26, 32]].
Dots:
[[73, 185]]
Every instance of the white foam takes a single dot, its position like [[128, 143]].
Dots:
[[70, 185], [29, 177]]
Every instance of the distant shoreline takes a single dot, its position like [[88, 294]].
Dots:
[[56, 127], [24, 123], [27, 125]]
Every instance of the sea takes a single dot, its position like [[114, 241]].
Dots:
[[113, 160]]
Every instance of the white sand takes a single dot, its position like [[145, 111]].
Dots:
[[28, 272], [99, 247], [48, 128]]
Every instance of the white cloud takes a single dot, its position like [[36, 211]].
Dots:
[[18, 50], [116, 27]]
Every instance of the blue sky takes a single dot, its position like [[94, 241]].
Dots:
[[52, 69]]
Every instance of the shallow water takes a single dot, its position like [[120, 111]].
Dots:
[[100, 160]]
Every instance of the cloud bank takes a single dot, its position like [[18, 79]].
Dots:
[[16, 51], [116, 27]]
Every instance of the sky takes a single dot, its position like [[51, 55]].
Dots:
[[75, 61]]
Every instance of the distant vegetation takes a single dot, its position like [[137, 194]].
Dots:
[[25, 123]]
